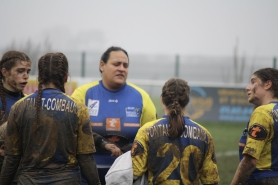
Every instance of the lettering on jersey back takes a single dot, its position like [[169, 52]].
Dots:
[[189, 132], [55, 104], [195, 133], [157, 131]]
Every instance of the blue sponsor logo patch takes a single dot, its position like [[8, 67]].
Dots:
[[132, 112]]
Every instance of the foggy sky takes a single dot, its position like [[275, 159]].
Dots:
[[192, 27]]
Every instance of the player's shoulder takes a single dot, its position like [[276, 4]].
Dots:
[[24, 95], [87, 86], [19, 103], [79, 105], [80, 92], [140, 90], [23, 98], [151, 123], [264, 109]]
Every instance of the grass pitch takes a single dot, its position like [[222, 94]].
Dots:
[[226, 137]]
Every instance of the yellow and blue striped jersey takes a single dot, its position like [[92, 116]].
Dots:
[[183, 160], [260, 140], [116, 115]]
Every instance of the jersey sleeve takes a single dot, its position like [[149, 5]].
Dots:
[[85, 140], [149, 111], [259, 132], [12, 139], [139, 152], [79, 95], [209, 172]]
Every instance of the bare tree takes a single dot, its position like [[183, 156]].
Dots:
[[238, 64], [238, 71]]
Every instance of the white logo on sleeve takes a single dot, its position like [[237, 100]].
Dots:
[[93, 106]]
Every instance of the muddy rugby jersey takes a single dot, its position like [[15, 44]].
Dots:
[[260, 139], [184, 160], [11, 98], [51, 145]]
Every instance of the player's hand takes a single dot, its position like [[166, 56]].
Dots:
[[2, 153], [116, 151]]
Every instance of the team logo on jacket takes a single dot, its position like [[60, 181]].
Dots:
[[132, 112], [93, 106], [113, 124], [257, 132]]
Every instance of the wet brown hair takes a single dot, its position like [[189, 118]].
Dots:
[[175, 95], [271, 74], [53, 68], [8, 61]]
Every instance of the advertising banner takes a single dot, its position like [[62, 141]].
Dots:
[[219, 104]]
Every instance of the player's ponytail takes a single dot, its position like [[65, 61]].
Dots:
[[175, 95]]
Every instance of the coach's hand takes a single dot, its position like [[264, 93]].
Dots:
[[116, 151]]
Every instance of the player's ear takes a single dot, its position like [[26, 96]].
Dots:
[[161, 99], [268, 84], [101, 66], [4, 72]]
